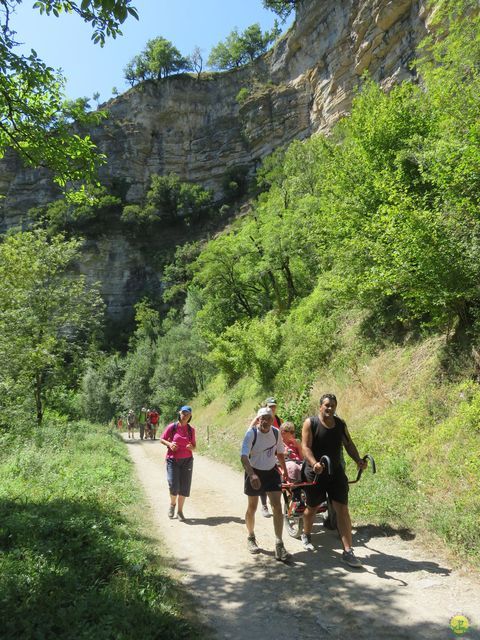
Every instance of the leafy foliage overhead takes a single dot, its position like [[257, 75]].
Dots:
[[105, 16], [35, 119]]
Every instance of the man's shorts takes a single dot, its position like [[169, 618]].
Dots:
[[336, 486], [271, 480]]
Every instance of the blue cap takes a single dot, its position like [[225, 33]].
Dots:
[[186, 408]]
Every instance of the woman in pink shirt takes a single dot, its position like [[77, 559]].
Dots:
[[179, 438]]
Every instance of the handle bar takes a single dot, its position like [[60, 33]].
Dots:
[[325, 460], [360, 471]]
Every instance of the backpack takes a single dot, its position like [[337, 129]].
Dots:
[[190, 431], [255, 432]]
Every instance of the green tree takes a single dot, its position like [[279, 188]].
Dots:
[[181, 360], [159, 59], [282, 8], [178, 274], [98, 396], [169, 199], [89, 216], [163, 58], [255, 42], [46, 313], [35, 120], [239, 48], [136, 70]]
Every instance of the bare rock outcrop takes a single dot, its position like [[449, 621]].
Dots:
[[197, 128]]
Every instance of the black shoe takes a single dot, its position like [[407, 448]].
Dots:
[[351, 559], [252, 545], [281, 553]]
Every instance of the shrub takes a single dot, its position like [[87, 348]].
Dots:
[[242, 95]]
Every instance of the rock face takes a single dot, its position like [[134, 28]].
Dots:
[[197, 128]]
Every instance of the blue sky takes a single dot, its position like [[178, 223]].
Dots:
[[64, 42]]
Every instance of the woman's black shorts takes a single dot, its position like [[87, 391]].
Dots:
[[179, 476]]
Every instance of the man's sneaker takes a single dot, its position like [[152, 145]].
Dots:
[[252, 545], [171, 511], [307, 542], [180, 516], [265, 512], [351, 559], [281, 553]]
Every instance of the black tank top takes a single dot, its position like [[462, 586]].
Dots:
[[327, 442]]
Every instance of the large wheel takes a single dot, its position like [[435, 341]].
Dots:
[[330, 517], [293, 524]]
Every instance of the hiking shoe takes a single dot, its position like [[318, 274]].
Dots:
[[265, 512], [351, 559], [307, 542], [281, 553], [252, 545], [180, 516], [171, 511]]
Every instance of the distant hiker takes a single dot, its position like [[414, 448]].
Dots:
[[120, 423], [142, 421], [325, 434], [179, 438], [131, 422], [154, 417], [272, 404], [277, 421], [261, 447]]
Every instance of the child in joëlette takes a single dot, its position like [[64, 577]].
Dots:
[[293, 451]]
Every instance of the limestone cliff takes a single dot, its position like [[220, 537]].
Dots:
[[197, 128]]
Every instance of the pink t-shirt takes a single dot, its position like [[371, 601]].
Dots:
[[293, 451], [176, 432]]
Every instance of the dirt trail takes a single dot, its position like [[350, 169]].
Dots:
[[402, 592]]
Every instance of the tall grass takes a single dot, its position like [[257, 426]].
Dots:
[[424, 433], [75, 561]]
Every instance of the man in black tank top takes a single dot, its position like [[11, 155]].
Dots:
[[322, 435]]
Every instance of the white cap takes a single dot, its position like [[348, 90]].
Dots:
[[264, 411]]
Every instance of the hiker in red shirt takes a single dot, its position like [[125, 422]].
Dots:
[[154, 418]]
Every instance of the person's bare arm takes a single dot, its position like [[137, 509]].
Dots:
[[254, 479], [300, 448], [283, 466], [352, 450], [307, 439]]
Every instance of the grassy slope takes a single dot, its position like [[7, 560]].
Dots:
[[76, 558], [424, 435]]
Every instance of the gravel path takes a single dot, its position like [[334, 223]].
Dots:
[[402, 591]]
